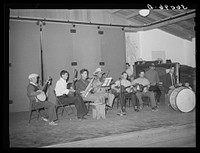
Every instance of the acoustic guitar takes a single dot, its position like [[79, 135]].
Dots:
[[72, 84]]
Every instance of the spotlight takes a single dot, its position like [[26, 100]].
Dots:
[[144, 12], [98, 27], [123, 29], [74, 25]]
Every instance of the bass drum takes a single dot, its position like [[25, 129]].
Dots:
[[182, 99]]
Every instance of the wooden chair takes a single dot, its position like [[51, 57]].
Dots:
[[63, 106]]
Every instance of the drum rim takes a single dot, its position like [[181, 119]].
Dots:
[[180, 89]]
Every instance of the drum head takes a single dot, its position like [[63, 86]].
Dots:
[[185, 100]]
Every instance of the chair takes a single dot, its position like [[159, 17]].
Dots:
[[31, 109], [59, 104], [126, 98], [146, 101]]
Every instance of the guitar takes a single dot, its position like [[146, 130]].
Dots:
[[43, 93], [123, 88], [138, 87], [72, 84]]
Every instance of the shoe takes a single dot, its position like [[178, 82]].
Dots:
[[44, 119], [108, 107], [156, 106], [124, 113], [154, 109], [52, 123], [81, 118], [120, 114], [137, 110], [141, 107]]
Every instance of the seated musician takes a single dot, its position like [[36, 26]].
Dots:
[[82, 84], [127, 91], [103, 91], [63, 95], [153, 77], [33, 90], [142, 81]]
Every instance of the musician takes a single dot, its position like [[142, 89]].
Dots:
[[145, 92], [34, 89], [169, 83], [82, 84], [63, 95], [129, 71], [128, 92], [103, 91], [153, 77]]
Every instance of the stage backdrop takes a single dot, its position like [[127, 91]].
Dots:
[[61, 47]]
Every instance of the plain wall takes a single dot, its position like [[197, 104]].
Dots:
[[157, 40], [24, 56], [60, 48]]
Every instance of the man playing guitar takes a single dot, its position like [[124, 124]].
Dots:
[[33, 90], [124, 87], [144, 82], [62, 94]]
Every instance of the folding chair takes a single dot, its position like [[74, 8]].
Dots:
[[146, 101], [59, 104], [31, 109]]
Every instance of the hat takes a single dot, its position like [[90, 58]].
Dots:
[[98, 71], [33, 75]]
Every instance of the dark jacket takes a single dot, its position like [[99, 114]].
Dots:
[[167, 82]]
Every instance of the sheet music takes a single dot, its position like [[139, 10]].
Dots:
[[107, 82]]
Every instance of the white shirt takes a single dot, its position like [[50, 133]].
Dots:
[[61, 87], [123, 82], [129, 71]]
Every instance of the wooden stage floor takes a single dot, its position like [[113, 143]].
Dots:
[[69, 129]]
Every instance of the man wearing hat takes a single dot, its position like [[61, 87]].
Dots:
[[153, 77], [33, 90], [102, 91]]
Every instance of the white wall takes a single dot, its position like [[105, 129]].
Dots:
[[132, 47], [189, 52], [176, 49]]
